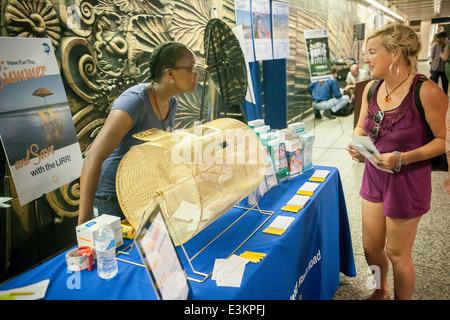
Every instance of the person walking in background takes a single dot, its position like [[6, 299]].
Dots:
[[445, 56], [437, 63], [394, 201]]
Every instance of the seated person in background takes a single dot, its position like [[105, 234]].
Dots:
[[353, 77], [322, 93]]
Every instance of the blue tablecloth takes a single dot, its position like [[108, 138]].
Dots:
[[303, 263]]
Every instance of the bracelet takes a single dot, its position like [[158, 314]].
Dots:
[[399, 163]]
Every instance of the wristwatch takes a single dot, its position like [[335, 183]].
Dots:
[[399, 163]]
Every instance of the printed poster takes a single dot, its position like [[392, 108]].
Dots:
[[280, 27], [244, 18], [162, 260], [36, 126], [262, 29], [318, 55]]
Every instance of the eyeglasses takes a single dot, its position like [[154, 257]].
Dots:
[[191, 69], [377, 118]]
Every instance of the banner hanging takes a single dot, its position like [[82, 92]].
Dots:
[[244, 18], [280, 27], [262, 29], [36, 126], [318, 55]]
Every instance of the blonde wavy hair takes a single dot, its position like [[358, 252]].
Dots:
[[397, 36]]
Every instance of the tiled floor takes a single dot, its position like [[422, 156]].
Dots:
[[432, 245]]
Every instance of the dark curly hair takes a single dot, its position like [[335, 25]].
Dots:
[[164, 56]]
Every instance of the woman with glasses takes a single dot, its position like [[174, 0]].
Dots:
[[139, 108], [394, 199]]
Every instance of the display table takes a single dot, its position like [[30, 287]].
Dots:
[[303, 263]]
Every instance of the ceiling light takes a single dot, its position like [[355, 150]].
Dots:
[[437, 7], [386, 10]]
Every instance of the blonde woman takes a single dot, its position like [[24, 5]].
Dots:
[[393, 202]]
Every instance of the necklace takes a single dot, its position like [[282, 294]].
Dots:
[[388, 95], [157, 107]]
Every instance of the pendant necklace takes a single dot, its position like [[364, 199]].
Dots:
[[388, 95], [157, 107]]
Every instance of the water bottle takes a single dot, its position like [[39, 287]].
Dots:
[[105, 249]]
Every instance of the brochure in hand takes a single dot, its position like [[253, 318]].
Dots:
[[364, 145]]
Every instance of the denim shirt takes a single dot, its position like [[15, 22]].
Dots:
[[326, 91]]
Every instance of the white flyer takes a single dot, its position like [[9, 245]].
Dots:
[[229, 272], [365, 146]]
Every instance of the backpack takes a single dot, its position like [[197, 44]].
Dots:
[[439, 163]]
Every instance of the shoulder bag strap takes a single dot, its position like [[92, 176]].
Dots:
[[372, 88], [417, 96]]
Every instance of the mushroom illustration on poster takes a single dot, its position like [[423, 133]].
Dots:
[[36, 126]]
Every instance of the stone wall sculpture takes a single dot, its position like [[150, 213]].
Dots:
[[102, 47]]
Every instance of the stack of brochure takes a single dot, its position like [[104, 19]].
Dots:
[[254, 257], [34, 291], [319, 175], [296, 203], [308, 188], [279, 225], [229, 272]]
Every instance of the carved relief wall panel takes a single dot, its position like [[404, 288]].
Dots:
[[103, 46]]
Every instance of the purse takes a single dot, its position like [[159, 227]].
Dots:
[[438, 163]]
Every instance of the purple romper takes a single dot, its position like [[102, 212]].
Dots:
[[405, 194]]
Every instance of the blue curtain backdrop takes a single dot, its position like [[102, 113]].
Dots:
[[253, 109], [275, 93]]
